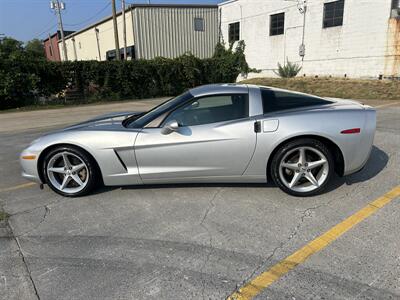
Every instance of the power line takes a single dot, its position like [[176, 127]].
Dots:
[[42, 31], [92, 17], [45, 31]]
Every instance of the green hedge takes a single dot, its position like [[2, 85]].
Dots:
[[25, 82]]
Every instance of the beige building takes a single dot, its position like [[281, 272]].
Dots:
[[151, 31]]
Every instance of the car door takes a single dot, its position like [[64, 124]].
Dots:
[[215, 138]]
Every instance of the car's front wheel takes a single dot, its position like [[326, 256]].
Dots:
[[302, 167], [70, 171]]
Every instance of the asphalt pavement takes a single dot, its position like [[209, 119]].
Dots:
[[194, 241]]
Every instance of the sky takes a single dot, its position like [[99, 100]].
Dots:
[[25, 20]]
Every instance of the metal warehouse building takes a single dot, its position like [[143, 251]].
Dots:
[[151, 31], [356, 38]]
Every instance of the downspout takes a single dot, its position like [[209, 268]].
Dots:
[[220, 36], [74, 46], [135, 26], [96, 31], [303, 46], [241, 24]]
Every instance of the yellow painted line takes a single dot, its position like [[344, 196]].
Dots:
[[264, 280], [17, 187]]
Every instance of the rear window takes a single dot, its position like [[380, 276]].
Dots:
[[282, 100]]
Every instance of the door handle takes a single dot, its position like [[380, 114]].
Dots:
[[257, 126]]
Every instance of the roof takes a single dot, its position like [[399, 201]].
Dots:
[[58, 32], [133, 6], [223, 88], [175, 5], [227, 2]]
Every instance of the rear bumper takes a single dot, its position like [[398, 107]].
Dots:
[[360, 168], [361, 151]]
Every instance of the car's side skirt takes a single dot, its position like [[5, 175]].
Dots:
[[209, 179]]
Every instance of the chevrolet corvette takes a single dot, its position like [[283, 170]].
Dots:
[[210, 134]]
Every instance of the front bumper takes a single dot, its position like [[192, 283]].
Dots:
[[29, 166]]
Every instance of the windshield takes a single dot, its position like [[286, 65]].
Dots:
[[158, 111]]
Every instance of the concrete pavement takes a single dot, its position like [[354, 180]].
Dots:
[[198, 241], [26, 120]]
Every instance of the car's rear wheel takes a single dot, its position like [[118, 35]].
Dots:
[[302, 167], [70, 171]]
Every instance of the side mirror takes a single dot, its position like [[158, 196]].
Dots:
[[169, 127]]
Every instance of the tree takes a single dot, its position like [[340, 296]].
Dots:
[[13, 49], [34, 48], [235, 58], [10, 48]]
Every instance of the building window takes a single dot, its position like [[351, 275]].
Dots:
[[51, 52], [395, 9], [198, 24], [277, 24], [130, 53], [234, 32], [333, 14]]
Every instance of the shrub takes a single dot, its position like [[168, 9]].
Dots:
[[289, 70], [23, 81]]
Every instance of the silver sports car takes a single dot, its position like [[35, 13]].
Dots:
[[214, 133]]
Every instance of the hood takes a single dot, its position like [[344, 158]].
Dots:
[[110, 121]]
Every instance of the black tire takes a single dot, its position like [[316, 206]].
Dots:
[[290, 146], [94, 176]]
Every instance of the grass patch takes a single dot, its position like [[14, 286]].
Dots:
[[336, 87], [3, 216]]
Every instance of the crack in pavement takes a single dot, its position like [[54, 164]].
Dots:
[[16, 239], [46, 212], [211, 205], [21, 253]]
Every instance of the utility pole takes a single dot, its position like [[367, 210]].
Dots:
[[117, 53], [124, 28], [58, 6]]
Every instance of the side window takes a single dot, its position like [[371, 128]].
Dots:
[[281, 100], [211, 109]]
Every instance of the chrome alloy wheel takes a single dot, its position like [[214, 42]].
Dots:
[[67, 172], [303, 169]]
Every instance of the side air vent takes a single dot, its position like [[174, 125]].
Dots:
[[121, 161]]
